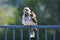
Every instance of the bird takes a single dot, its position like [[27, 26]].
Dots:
[[29, 19]]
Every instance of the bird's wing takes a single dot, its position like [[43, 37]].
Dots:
[[34, 17]]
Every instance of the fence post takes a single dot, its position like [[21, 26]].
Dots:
[[13, 34], [29, 31], [54, 33], [45, 34], [5, 33], [38, 34], [21, 30]]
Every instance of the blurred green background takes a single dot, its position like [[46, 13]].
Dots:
[[47, 11]]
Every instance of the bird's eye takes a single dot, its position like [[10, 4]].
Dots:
[[26, 10]]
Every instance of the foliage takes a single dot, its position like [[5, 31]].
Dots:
[[7, 15]]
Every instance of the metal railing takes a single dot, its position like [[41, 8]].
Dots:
[[54, 27]]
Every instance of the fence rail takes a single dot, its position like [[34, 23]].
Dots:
[[38, 26], [54, 27]]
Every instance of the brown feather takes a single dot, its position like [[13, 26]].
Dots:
[[33, 16]]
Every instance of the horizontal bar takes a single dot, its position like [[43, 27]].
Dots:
[[38, 26]]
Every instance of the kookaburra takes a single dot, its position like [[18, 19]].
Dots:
[[29, 19]]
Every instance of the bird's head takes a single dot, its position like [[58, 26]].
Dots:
[[27, 10]]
